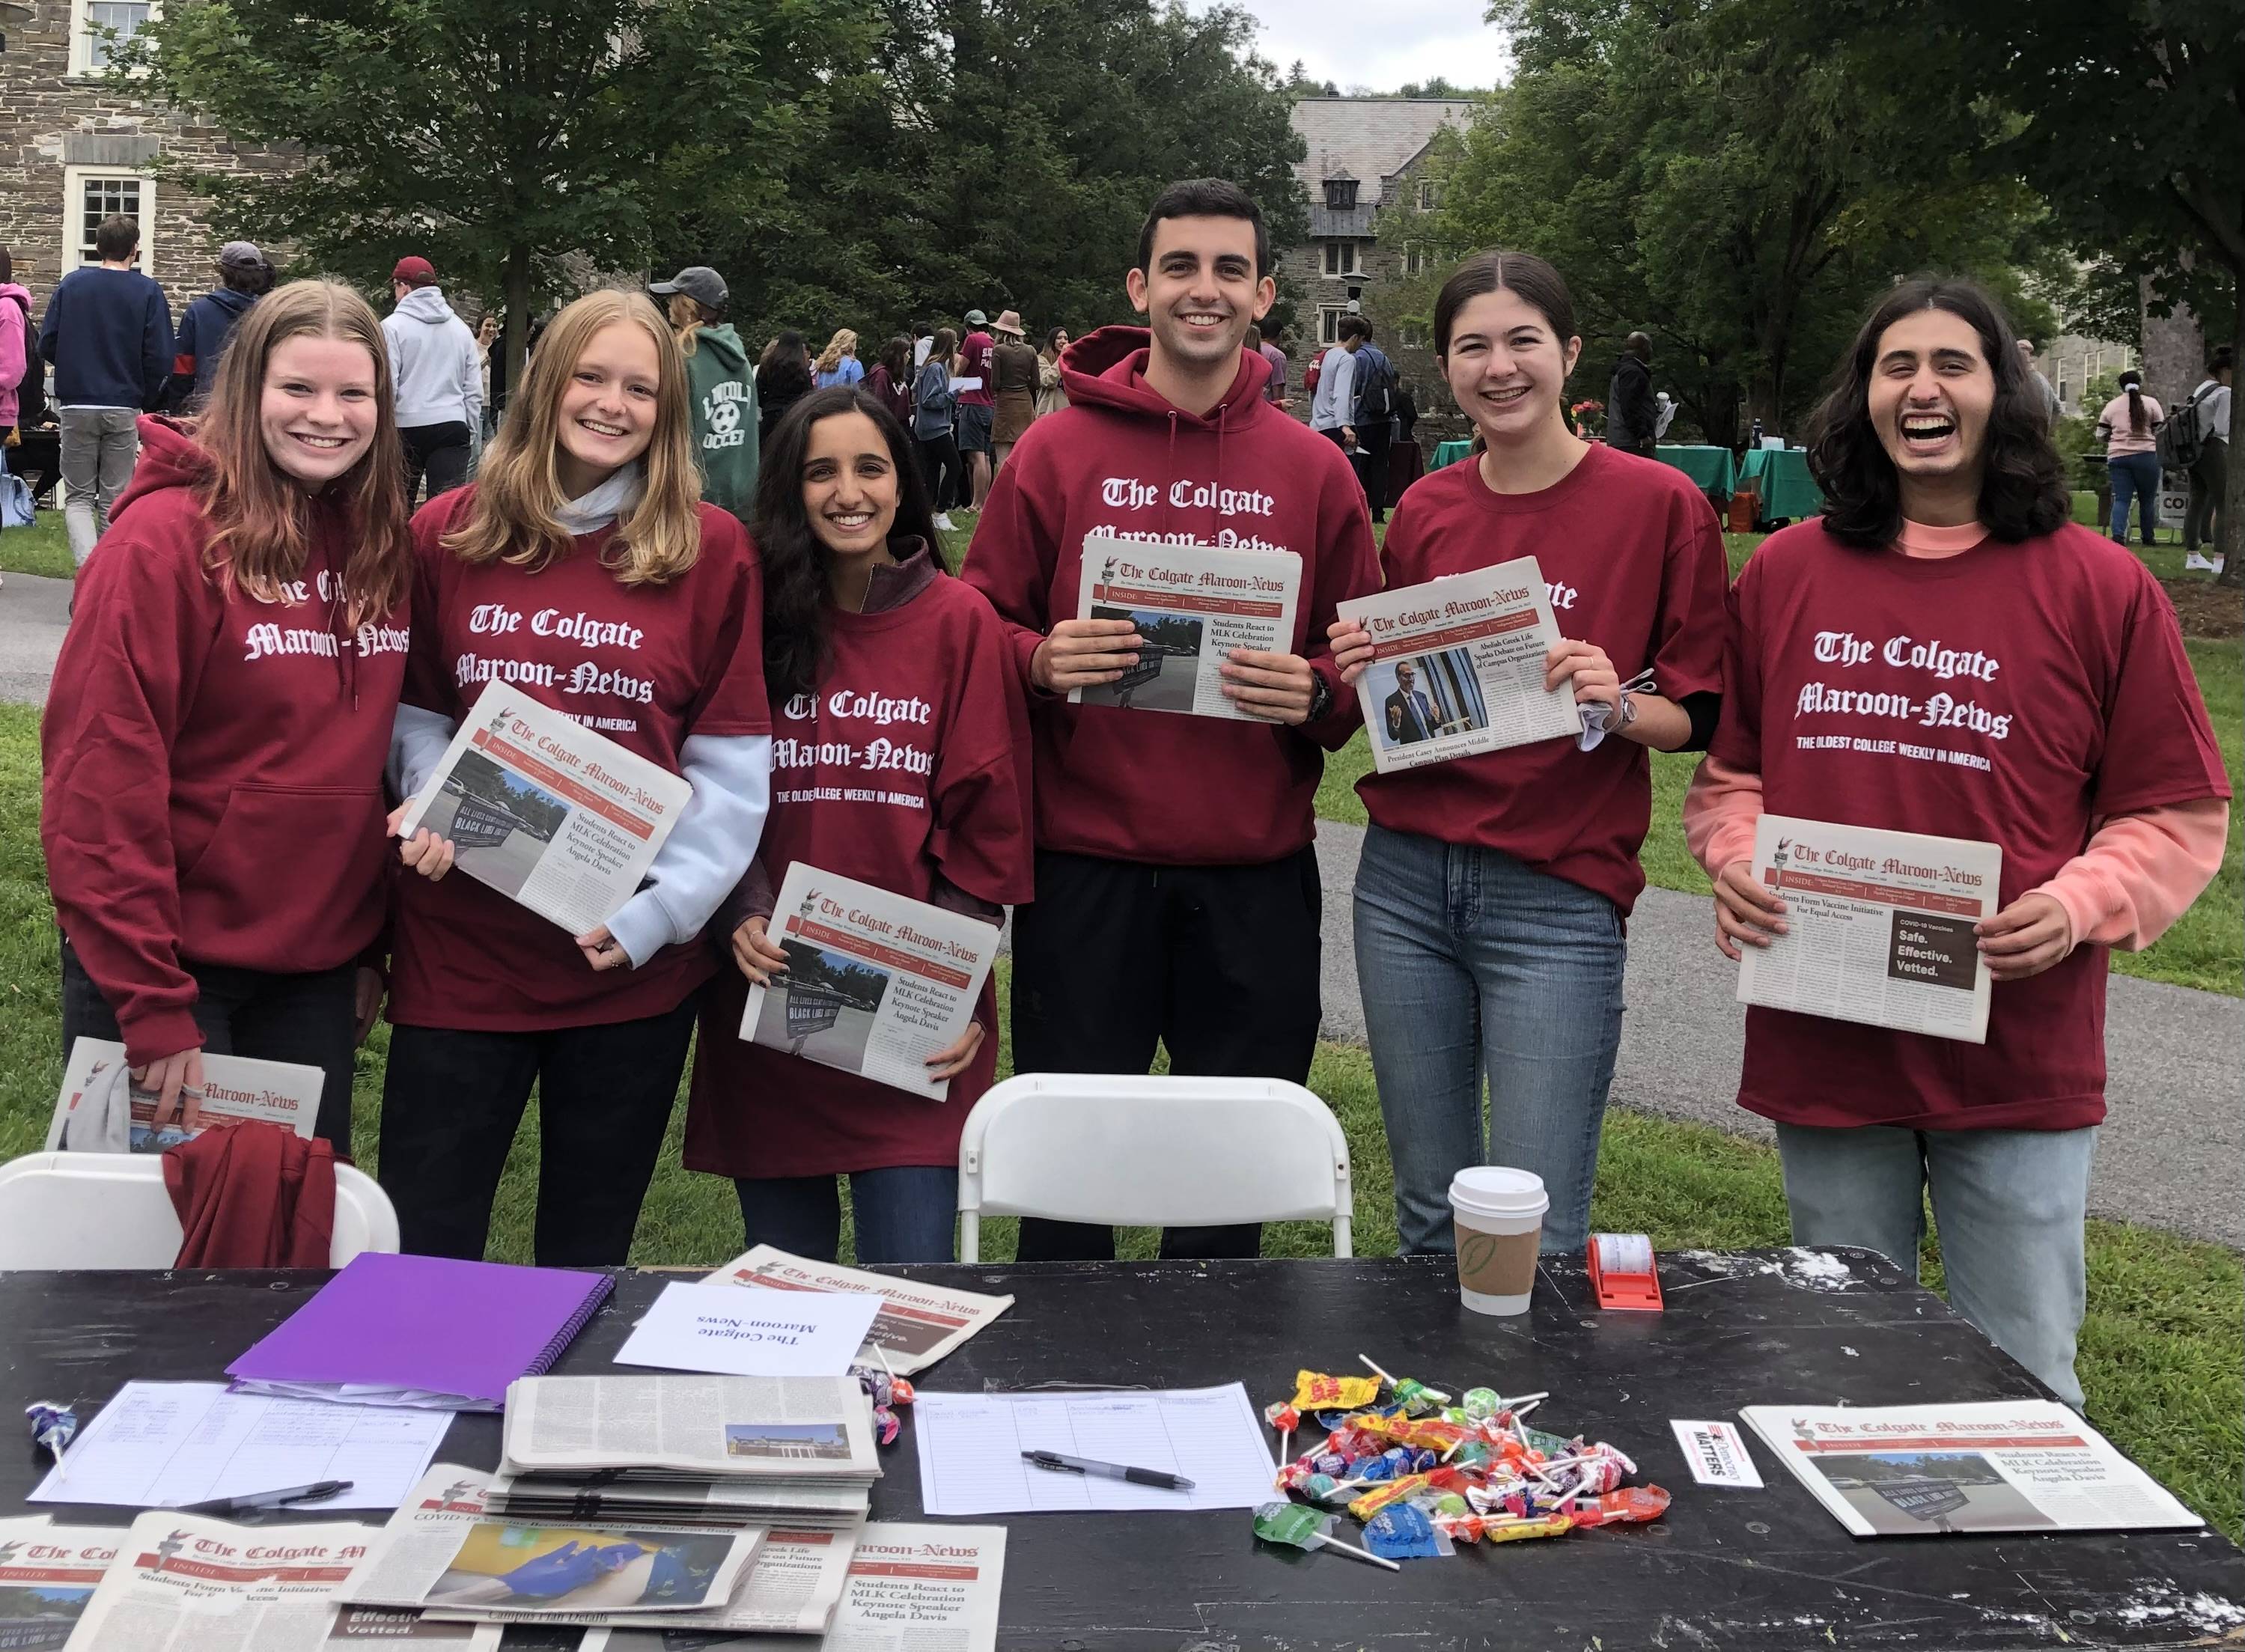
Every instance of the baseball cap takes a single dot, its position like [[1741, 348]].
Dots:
[[418, 272], [976, 318], [699, 283], [239, 255]]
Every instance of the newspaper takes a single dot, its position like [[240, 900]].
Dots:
[[810, 1428], [1457, 666], [1881, 926], [182, 1580], [919, 1324], [875, 984], [912, 1588], [1192, 605], [545, 812], [236, 1089], [1993, 1466], [443, 1551], [47, 1575]]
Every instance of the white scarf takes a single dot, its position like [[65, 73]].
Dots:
[[605, 503]]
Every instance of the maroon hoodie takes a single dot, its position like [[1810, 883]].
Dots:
[[213, 763], [1135, 786]]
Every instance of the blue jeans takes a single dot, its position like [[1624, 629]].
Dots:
[[1473, 965], [2009, 1206], [2135, 477], [902, 1214]]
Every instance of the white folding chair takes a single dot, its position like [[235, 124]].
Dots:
[[1151, 1152], [112, 1210]]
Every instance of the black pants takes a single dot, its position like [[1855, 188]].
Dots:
[[1370, 462], [1218, 963], [939, 469], [439, 451], [309, 1019], [2208, 478], [452, 1100]]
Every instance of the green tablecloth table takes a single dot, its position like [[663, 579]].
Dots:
[[1712, 469], [1781, 475], [1451, 452]]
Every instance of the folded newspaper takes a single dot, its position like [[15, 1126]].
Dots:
[[1991, 1465], [875, 983], [47, 1574], [1457, 666], [444, 1553], [545, 812], [910, 1588], [1192, 605], [691, 1428], [101, 1110], [179, 1580], [917, 1324], [1881, 926]]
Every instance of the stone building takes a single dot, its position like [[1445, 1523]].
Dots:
[[80, 141]]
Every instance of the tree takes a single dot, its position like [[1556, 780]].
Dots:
[[497, 140], [2130, 118]]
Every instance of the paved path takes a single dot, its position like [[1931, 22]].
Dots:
[[33, 615], [2167, 1157]]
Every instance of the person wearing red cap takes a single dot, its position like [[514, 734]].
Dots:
[[440, 380]]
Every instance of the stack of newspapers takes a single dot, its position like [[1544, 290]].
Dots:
[[706, 1504]]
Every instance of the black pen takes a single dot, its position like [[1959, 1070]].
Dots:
[[1060, 1464], [317, 1492]]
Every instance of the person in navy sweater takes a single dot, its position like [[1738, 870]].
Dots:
[[108, 334]]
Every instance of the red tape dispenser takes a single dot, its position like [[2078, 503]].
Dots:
[[1622, 1269]]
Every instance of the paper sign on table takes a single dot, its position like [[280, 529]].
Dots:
[[1716, 1454], [740, 1331]]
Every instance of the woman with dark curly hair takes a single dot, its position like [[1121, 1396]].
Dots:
[[901, 763], [1946, 652]]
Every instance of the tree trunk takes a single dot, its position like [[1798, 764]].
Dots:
[[2230, 539], [514, 336]]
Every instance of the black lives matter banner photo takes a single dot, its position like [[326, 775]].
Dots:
[[1881, 926], [1192, 605], [545, 812]]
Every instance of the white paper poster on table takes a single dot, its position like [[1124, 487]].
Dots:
[[743, 1331]]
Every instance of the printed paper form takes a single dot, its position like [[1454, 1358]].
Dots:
[[971, 1447], [163, 1445]]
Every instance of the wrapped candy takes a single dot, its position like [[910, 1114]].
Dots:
[[1314, 1391], [1285, 1420], [52, 1426], [889, 1393], [1508, 1531], [1411, 1395], [1630, 1504], [1407, 1485], [1481, 1404], [1403, 1532], [1306, 1528]]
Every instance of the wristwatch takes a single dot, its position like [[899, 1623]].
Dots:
[[1321, 697]]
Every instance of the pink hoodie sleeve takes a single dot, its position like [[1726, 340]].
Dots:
[[1719, 812], [2140, 872], [15, 333]]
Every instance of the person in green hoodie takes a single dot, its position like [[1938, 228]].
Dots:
[[722, 389]]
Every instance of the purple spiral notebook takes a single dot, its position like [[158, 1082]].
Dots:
[[424, 1330]]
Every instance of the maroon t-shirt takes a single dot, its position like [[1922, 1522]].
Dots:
[[1633, 557], [2014, 695], [910, 761], [647, 666], [976, 356]]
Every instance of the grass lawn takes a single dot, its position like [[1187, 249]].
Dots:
[[2161, 1354], [42, 548]]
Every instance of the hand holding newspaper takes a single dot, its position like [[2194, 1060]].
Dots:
[[876, 983], [1192, 605], [101, 1110], [1457, 666], [1881, 926], [545, 812]]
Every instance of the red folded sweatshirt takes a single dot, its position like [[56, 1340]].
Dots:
[[213, 762], [1135, 786]]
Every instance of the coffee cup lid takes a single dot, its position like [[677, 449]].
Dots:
[[1496, 1190]]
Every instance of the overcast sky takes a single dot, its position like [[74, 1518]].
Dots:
[[1379, 44]]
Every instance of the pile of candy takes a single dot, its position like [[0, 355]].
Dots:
[[1423, 1473]]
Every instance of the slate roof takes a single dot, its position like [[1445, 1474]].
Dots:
[[1367, 138]]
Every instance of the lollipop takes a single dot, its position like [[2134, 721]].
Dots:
[[1314, 1391], [1285, 1420], [52, 1426], [1630, 1503], [1411, 1395], [1403, 1532], [1302, 1528]]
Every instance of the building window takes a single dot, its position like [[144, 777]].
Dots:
[[92, 48], [1418, 258], [90, 194], [1340, 259], [1329, 322], [1340, 194], [1426, 194]]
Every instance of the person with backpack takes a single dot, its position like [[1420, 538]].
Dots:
[[1374, 389], [243, 277], [2130, 424], [2196, 440]]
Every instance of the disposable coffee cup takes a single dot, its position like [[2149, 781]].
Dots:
[[1499, 1216]]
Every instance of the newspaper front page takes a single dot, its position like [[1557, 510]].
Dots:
[[1881, 926], [1192, 605], [47, 1574], [917, 1324], [179, 1580], [783, 1427], [1991, 1465], [445, 1552], [1457, 666], [912, 1588], [876, 983], [236, 1089], [545, 812]]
